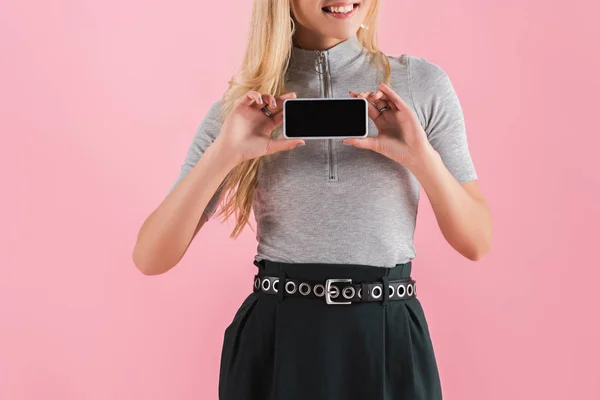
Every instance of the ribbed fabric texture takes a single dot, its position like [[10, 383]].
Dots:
[[326, 202]]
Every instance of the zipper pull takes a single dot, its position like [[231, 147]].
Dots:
[[319, 61]]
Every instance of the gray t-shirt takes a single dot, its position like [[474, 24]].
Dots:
[[327, 202]]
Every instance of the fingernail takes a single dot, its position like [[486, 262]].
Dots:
[[346, 143], [273, 103], [300, 144], [260, 100]]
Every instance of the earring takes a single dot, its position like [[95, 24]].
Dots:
[[364, 26]]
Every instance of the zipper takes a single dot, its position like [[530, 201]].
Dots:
[[321, 63]]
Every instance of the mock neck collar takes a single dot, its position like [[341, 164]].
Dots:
[[337, 57]]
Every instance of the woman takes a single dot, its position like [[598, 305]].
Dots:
[[334, 312]]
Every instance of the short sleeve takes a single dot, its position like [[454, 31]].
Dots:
[[441, 115], [205, 135]]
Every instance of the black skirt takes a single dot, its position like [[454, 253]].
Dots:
[[304, 349]]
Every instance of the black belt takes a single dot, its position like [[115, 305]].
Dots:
[[337, 287]]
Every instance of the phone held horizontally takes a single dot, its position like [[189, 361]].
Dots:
[[325, 118]]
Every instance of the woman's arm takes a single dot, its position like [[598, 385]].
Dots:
[[216, 149], [430, 139], [461, 210], [167, 233]]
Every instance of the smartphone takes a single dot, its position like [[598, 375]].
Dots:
[[325, 118]]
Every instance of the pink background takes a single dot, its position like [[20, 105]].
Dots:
[[99, 101]]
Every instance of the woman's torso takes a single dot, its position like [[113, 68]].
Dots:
[[329, 202]]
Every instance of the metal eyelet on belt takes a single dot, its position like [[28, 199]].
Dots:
[[409, 289], [274, 282], [415, 288], [293, 285], [348, 288], [257, 283], [335, 292], [321, 289], [391, 290], [401, 290], [378, 288], [304, 285], [360, 292], [268, 282]]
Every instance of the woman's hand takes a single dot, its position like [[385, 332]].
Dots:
[[401, 136], [247, 129]]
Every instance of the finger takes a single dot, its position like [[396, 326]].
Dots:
[[276, 145], [288, 95], [250, 97], [277, 114], [383, 102], [377, 95], [369, 143], [364, 94], [280, 100], [393, 97], [380, 100], [372, 110], [277, 118], [270, 101], [269, 104]]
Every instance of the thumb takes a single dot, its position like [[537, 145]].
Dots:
[[363, 143], [276, 145], [277, 119]]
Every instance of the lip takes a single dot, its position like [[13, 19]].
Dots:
[[339, 4]]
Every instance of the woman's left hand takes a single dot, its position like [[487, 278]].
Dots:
[[401, 136]]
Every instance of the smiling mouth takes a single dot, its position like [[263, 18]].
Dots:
[[340, 8]]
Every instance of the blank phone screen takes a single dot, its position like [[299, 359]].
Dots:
[[327, 117]]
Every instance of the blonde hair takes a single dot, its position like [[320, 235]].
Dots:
[[263, 69]]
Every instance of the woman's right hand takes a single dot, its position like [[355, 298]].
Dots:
[[247, 129]]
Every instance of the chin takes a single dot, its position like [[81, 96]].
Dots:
[[340, 34]]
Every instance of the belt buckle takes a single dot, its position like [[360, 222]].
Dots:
[[328, 293]]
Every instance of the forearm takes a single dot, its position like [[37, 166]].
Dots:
[[167, 232], [464, 220]]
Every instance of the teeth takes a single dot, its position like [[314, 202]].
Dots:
[[342, 9]]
